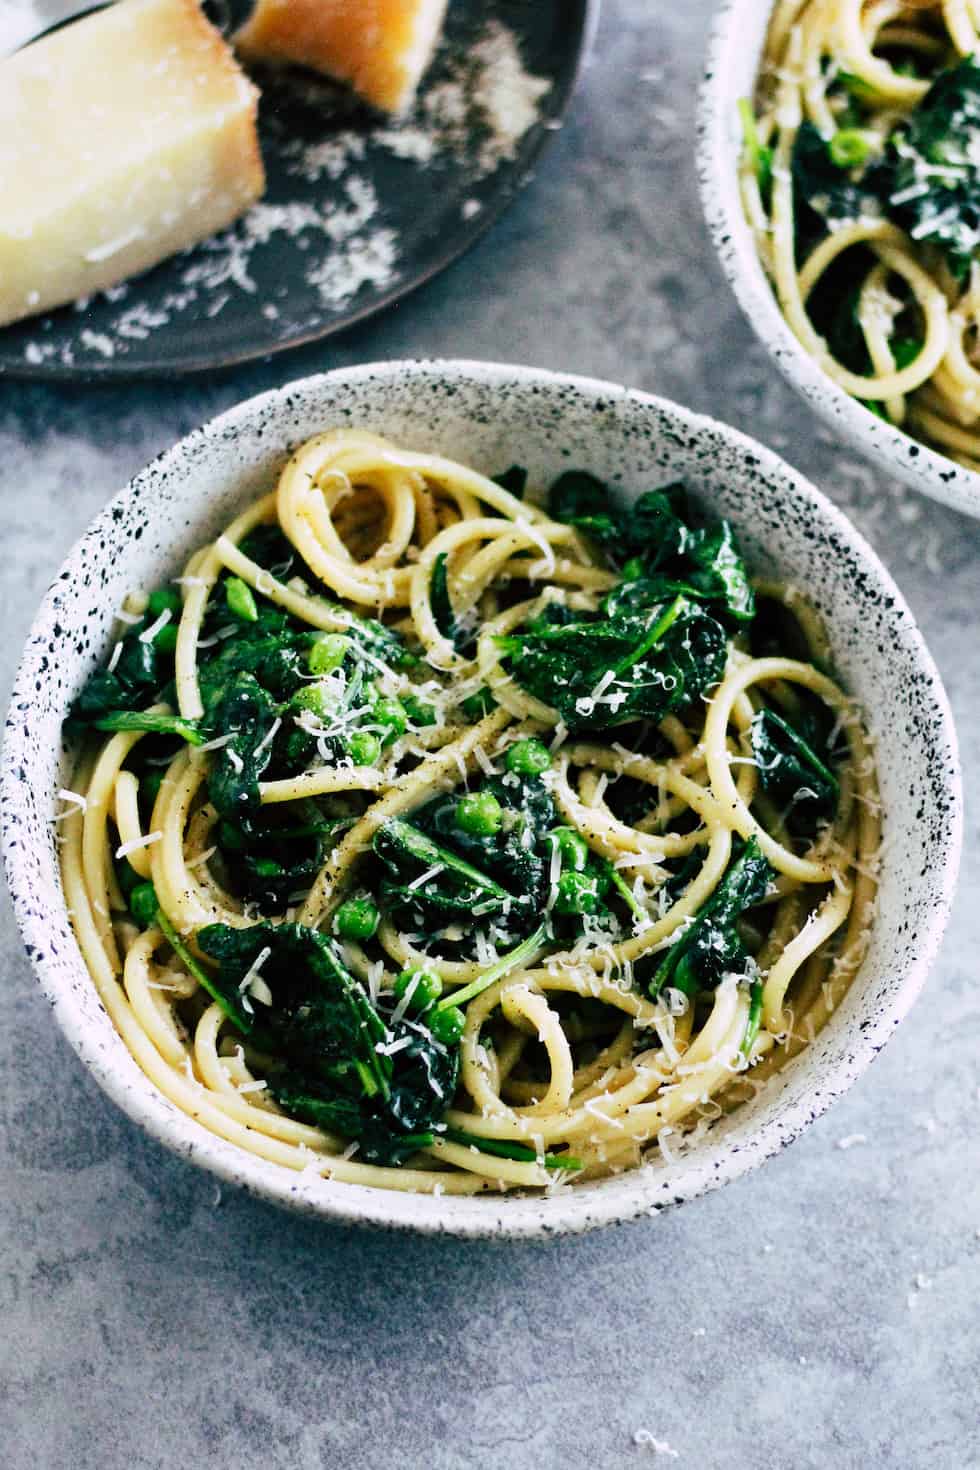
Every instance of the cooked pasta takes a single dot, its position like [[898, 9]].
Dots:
[[860, 178], [427, 839]]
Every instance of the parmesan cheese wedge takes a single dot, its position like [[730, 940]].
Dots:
[[123, 138], [381, 47]]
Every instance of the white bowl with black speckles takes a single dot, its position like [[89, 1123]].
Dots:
[[734, 53], [491, 416]]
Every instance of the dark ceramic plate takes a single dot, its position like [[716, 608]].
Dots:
[[357, 212]]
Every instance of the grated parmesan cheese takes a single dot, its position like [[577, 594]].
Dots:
[[148, 634], [138, 842]]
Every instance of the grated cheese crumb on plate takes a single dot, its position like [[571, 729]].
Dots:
[[649, 1441]]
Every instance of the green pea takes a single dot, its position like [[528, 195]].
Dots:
[[632, 569], [849, 148], [528, 758], [328, 653], [241, 602], [423, 987], [364, 748], [480, 814], [579, 893], [357, 918], [447, 1025], [477, 706], [143, 904], [166, 639], [164, 599], [319, 699], [390, 715], [419, 712], [573, 848]]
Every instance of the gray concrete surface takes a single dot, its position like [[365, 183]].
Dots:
[[822, 1312]]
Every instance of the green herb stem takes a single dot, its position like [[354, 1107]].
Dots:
[[753, 1019], [519, 956], [198, 971], [500, 1149]]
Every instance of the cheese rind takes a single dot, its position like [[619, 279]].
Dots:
[[124, 138], [381, 47]]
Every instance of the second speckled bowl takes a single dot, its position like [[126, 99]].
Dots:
[[734, 54]]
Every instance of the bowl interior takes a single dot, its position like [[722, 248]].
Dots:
[[491, 417], [734, 55]]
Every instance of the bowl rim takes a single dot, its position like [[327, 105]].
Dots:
[[889, 448], [568, 1211]]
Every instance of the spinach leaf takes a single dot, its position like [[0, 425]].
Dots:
[[246, 712], [824, 194], [715, 574], [277, 661], [718, 573], [711, 947], [319, 1016], [447, 622], [651, 527], [454, 888], [380, 1139], [272, 855], [141, 671], [933, 166], [654, 542], [603, 670], [927, 181], [344, 1066], [790, 770], [517, 855]]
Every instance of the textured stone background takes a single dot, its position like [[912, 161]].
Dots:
[[822, 1312]]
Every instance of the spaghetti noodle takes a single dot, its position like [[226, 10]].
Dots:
[[428, 840], [860, 181]]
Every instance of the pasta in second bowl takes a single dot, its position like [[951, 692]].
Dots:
[[836, 172], [433, 838]]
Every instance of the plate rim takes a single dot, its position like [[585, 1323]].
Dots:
[[115, 371]]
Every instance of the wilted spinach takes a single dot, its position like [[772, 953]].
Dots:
[[933, 166], [711, 947], [140, 672], [654, 539], [927, 181], [517, 855], [604, 669], [650, 528], [346, 1067], [446, 620], [791, 771], [453, 887]]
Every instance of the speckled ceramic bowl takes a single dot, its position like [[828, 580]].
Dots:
[[490, 416], [734, 52]]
